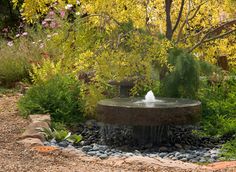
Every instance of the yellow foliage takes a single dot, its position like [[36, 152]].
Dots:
[[127, 54], [45, 71], [150, 14]]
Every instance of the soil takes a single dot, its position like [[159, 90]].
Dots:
[[16, 158]]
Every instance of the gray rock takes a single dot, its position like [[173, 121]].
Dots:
[[53, 141], [95, 147], [211, 160], [189, 151], [190, 156], [202, 160], [63, 143], [214, 151], [115, 151], [207, 155], [92, 153], [136, 152], [46, 143], [99, 154], [108, 153], [71, 147], [152, 155], [128, 154], [86, 148], [184, 159], [116, 154], [198, 158], [102, 147], [198, 153], [193, 160], [214, 156], [174, 158], [181, 156], [82, 143], [162, 154], [103, 156], [177, 154]]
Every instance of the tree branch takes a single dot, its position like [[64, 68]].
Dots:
[[10, 8], [219, 36], [212, 31], [189, 19], [103, 15], [179, 16], [147, 18]]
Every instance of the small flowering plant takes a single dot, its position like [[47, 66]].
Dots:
[[67, 12]]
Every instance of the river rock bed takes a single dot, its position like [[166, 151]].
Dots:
[[184, 146], [200, 155]]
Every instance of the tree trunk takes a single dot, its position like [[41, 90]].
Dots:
[[169, 31]]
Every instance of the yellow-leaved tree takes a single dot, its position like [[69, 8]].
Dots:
[[116, 40], [205, 27]]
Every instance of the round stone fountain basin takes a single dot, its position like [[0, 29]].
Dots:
[[136, 112]]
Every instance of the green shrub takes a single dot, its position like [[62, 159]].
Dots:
[[58, 125], [229, 150], [219, 106], [59, 96], [219, 125]]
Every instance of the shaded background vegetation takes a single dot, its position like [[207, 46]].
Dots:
[[99, 45]]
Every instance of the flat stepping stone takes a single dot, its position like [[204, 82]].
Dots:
[[45, 149], [30, 142], [40, 118]]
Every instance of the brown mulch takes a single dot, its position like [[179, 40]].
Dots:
[[16, 158]]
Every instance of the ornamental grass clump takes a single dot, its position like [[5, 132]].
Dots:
[[16, 58]]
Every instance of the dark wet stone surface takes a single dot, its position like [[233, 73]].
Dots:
[[165, 111]]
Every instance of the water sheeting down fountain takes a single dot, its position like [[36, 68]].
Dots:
[[149, 117]]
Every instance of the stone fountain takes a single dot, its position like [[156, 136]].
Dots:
[[149, 118]]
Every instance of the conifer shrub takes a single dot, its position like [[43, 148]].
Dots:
[[183, 80], [59, 96]]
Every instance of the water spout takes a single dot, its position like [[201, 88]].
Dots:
[[149, 100], [149, 97]]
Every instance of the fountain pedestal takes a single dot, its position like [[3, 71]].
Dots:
[[149, 120], [124, 87], [151, 134]]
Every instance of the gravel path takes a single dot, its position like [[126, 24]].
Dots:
[[16, 158]]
